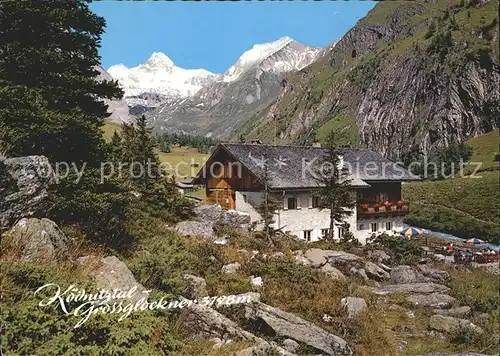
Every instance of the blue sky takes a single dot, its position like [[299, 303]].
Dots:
[[212, 35]]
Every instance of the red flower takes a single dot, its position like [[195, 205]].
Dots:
[[388, 204], [364, 206], [400, 203]]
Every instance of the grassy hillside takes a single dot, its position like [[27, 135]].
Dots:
[[486, 148], [109, 129], [464, 206], [185, 161]]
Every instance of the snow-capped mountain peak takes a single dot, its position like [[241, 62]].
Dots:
[[159, 60], [254, 55], [159, 74], [293, 56], [158, 80]]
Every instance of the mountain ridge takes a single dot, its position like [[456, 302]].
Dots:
[[407, 78]]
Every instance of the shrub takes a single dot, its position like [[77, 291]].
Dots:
[[401, 250], [47, 330]]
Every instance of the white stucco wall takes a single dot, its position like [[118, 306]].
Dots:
[[293, 221], [364, 228], [305, 217], [253, 199]]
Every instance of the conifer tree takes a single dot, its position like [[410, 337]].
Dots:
[[270, 204], [48, 87], [335, 193]]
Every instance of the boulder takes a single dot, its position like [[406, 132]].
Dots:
[[264, 348], [256, 281], [456, 312], [197, 286], [344, 261], [422, 288], [434, 275], [24, 185], [317, 257], [231, 268], [207, 323], [290, 345], [353, 305], [219, 216], [195, 228], [114, 274], [359, 273], [301, 259], [432, 300], [375, 272], [379, 256], [450, 324], [332, 272], [278, 322], [405, 274], [38, 239]]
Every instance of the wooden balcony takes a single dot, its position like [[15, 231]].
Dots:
[[367, 210]]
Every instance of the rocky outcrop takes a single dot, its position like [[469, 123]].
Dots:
[[231, 268], [397, 97], [434, 275], [278, 322], [353, 305], [210, 219], [449, 324], [379, 256], [195, 228], [220, 216], [249, 86], [197, 286], [24, 184], [432, 300], [423, 273], [38, 239], [456, 312], [113, 274], [420, 288], [332, 272], [405, 274], [375, 272], [339, 264], [207, 323]]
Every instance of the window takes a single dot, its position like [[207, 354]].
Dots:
[[245, 198], [374, 227], [315, 202], [324, 233], [292, 203], [361, 227], [388, 226], [340, 231], [307, 235]]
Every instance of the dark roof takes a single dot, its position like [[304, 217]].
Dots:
[[295, 171]]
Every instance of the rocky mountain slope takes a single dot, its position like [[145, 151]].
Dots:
[[250, 85], [410, 76], [198, 101], [158, 80]]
